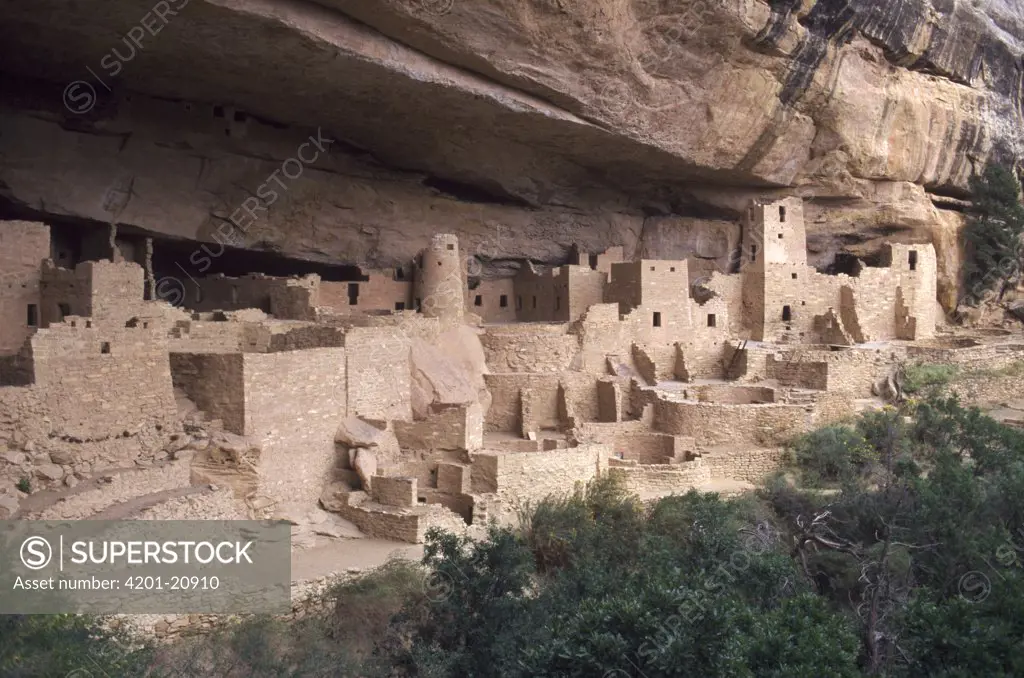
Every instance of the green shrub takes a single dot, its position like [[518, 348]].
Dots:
[[833, 454], [919, 378], [24, 485]]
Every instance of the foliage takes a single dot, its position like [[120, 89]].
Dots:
[[832, 454], [911, 567], [24, 485], [920, 378], [992, 234], [59, 645]]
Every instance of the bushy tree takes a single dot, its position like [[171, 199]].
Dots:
[[993, 234]]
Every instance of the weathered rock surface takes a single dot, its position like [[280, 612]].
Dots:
[[354, 432], [520, 125]]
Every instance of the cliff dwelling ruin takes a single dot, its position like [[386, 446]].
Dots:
[[417, 396]]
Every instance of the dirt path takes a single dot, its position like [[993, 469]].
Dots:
[[338, 555], [129, 508]]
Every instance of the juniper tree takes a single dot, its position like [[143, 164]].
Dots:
[[993, 234]]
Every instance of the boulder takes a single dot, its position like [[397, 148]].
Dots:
[[354, 432], [365, 464], [62, 457], [1016, 309], [8, 506], [50, 472]]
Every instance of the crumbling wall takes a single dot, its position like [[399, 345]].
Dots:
[[215, 383], [23, 247], [529, 348], [799, 372]]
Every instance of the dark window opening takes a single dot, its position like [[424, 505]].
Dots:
[[451, 247], [672, 270], [63, 311], [503, 301], [439, 263], [105, 347], [33, 315], [787, 314], [711, 319], [794, 276], [399, 305], [912, 260], [753, 253], [535, 302], [399, 274], [88, 324], [652, 268], [353, 294], [657, 319], [780, 236], [782, 215], [478, 300], [558, 303], [418, 304], [593, 262]]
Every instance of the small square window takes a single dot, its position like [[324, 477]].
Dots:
[[652, 268], [450, 246], [711, 319], [105, 348], [399, 305], [657, 319], [478, 300], [794, 276], [780, 236], [503, 301], [672, 270]]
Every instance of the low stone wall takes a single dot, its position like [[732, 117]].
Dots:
[[750, 464], [659, 479], [713, 424], [308, 599]]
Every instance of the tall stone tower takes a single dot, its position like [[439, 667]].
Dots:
[[441, 280]]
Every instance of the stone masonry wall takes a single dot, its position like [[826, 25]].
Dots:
[[99, 383], [379, 373], [23, 247], [215, 383], [294, 402]]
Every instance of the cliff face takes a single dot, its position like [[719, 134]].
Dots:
[[521, 125]]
